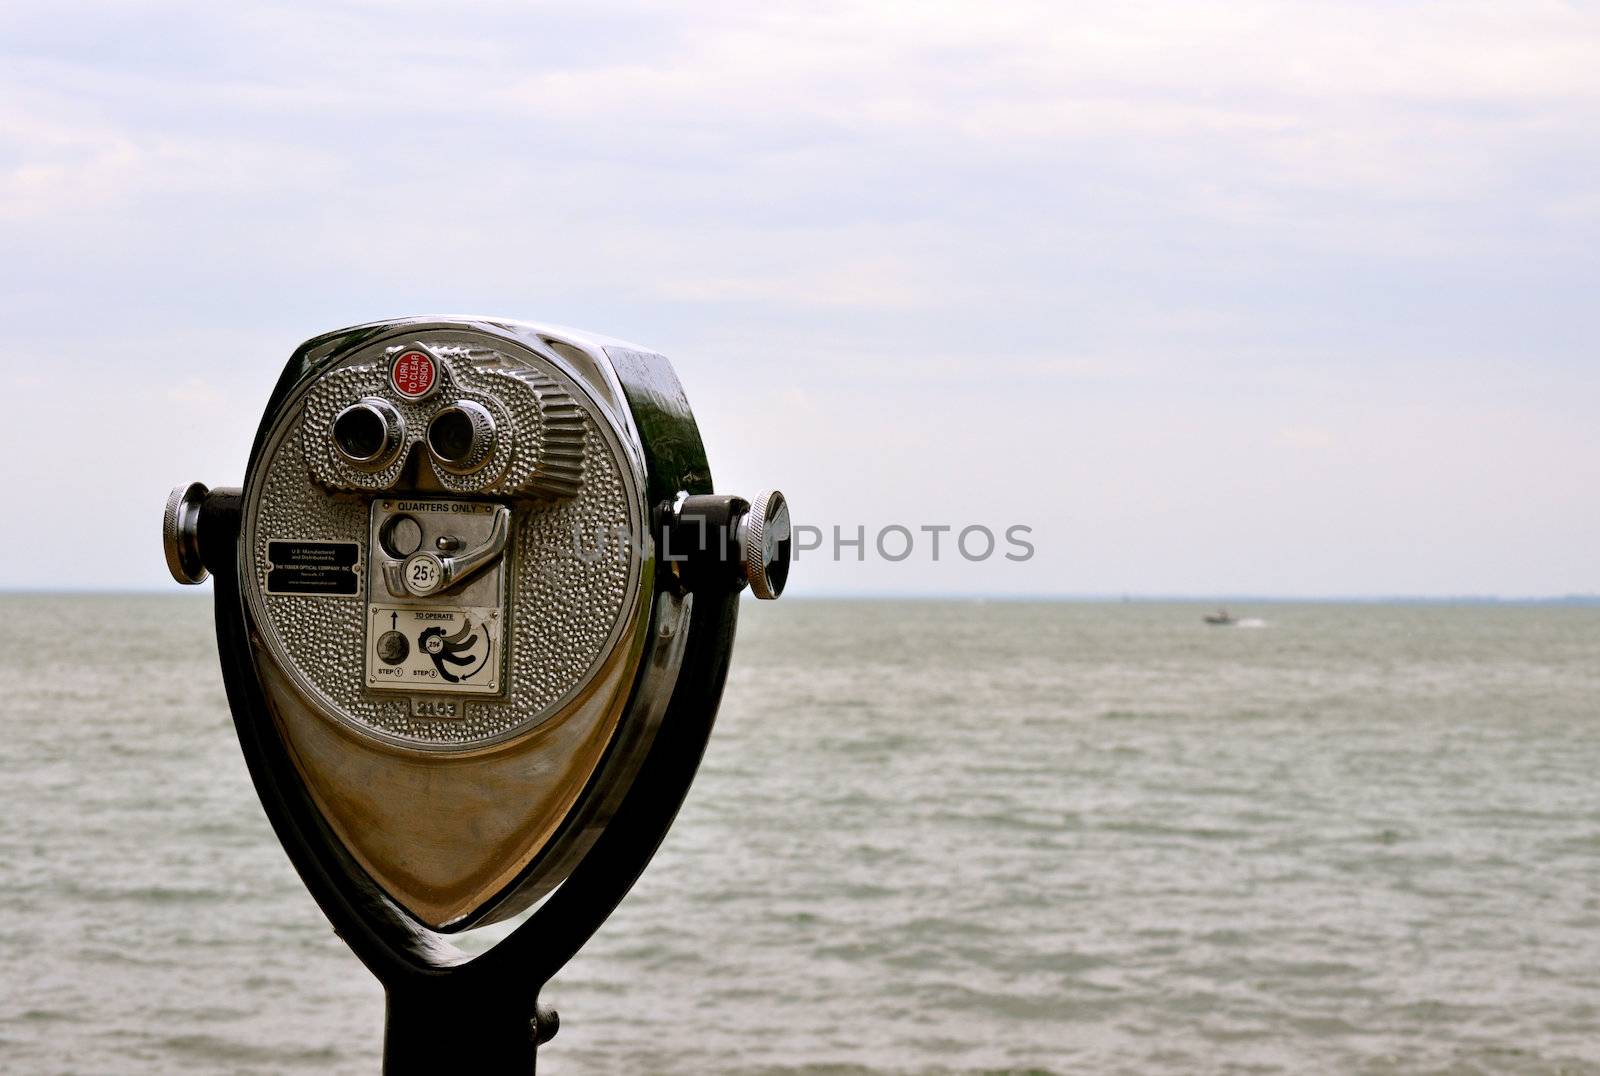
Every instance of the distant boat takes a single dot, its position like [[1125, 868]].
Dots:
[[1220, 618]]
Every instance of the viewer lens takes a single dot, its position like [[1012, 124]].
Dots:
[[361, 432], [461, 437], [450, 435]]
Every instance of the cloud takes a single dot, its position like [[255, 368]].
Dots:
[[1132, 262], [1380, 101], [881, 283]]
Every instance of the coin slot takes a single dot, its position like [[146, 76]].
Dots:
[[401, 536]]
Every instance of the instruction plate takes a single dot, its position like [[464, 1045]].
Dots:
[[434, 649]]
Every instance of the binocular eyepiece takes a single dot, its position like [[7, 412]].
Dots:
[[369, 433], [475, 604], [461, 437]]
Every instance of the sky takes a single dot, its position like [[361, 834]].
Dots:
[[1257, 298]]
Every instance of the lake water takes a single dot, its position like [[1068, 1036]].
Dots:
[[928, 838]]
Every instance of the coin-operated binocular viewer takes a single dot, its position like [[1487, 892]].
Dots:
[[474, 605]]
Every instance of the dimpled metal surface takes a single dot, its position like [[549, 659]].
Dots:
[[564, 609]]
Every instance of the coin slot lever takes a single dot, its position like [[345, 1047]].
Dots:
[[424, 574]]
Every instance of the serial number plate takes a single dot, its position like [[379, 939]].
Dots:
[[438, 709]]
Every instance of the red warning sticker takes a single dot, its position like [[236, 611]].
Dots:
[[413, 374]]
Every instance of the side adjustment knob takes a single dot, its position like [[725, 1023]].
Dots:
[[764, 544], [718, 540], [200, 530], [180, 533]]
